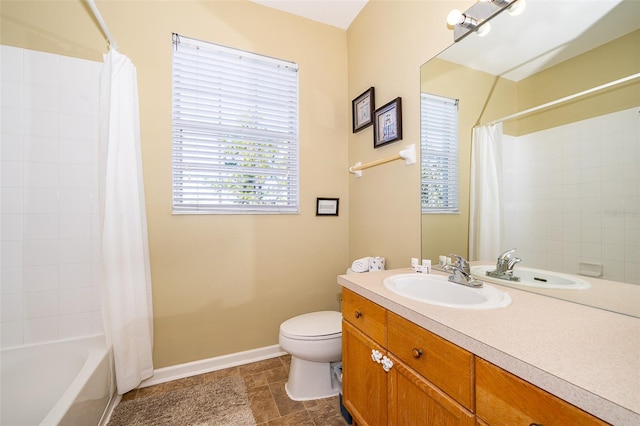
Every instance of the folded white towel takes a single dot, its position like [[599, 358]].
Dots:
[[361, 265]]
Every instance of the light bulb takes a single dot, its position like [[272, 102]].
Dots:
[[454, 17], [517, 7]]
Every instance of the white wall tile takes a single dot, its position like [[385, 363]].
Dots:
[[41, 68], [12, 119], [41, 123], [11, 280], [75, 275], [97, 325], [76, 201], [11, 59], [41, 252], [75, 176], [11, 94], [11, 307], [75, 226], [40, 304], [75, 151], [11, 334], [41, 201], [11, 147], [11, 174], [11, 227], [75, 325], [49, 178], [11, 253], [41, 175], [41, 149], [75, 250], [41, 226], [39, 330], [75, 300], [41, 98], [11, 201], [39, 278]]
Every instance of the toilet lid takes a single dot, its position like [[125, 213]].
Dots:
[[323, 323]]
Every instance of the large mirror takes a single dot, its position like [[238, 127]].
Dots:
[[569, 184]]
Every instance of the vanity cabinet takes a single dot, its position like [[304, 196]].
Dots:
[[397, 373], [383, 387], [504, 399]]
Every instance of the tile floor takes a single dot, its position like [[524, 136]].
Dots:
[[270, 404]]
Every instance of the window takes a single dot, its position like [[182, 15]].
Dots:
[[439, 146], [235, 131]]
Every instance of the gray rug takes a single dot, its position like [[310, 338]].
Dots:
[[222, 402]]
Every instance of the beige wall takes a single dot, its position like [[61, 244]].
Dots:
[[221, 283], [609, 62], [388, 42]]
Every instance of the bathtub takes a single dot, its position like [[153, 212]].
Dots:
[[59, 383]]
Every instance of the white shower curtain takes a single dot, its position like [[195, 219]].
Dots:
[[485, 222], [126, 292]]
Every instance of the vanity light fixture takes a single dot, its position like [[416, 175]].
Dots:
[[475, 19], [457, 18]]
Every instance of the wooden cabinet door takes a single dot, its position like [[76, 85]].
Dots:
[[506, 400], [364, 382], [413, 401]]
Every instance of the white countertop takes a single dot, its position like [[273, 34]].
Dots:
[[586, 356]]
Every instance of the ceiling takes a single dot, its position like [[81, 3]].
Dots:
[[338, 13]]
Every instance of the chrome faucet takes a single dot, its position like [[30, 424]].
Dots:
[[461, 273], [504, 266]]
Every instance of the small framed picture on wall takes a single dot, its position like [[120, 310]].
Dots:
[[327, 206], [362, 110], [387, 123]]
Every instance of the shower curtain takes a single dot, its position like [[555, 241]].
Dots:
[[485, 221], [126, 291]]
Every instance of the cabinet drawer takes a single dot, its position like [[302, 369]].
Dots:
[[368, 317], [504, 399], [444, 364]]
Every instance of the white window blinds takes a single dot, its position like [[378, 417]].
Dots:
[[235, 131], [439, 146]]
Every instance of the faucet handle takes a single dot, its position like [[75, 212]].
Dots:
[[506, 254], [461, 263]]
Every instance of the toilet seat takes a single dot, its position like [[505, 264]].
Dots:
[[322, 325]]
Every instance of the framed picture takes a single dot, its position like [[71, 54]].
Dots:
[[362, 109], [327, 206], [387, 123]]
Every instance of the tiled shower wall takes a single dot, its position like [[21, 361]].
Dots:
[[572, 195], [49, 207]]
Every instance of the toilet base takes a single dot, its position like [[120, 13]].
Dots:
[[310, 380]]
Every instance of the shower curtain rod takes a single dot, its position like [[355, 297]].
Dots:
[[105, 30], [565, 99]]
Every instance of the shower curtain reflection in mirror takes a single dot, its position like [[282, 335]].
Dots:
[[485, 212]]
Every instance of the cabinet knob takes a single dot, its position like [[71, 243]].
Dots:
[[416, 352], [386, 364], [536, 424], [358, 314]]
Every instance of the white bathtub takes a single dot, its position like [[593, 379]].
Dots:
[[60, 383]]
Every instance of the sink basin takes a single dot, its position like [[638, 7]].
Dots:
[[437, 290], [530, 277]]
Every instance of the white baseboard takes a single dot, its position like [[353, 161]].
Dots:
[[179, 371]]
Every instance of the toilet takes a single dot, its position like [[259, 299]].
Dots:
[[314, 341]]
